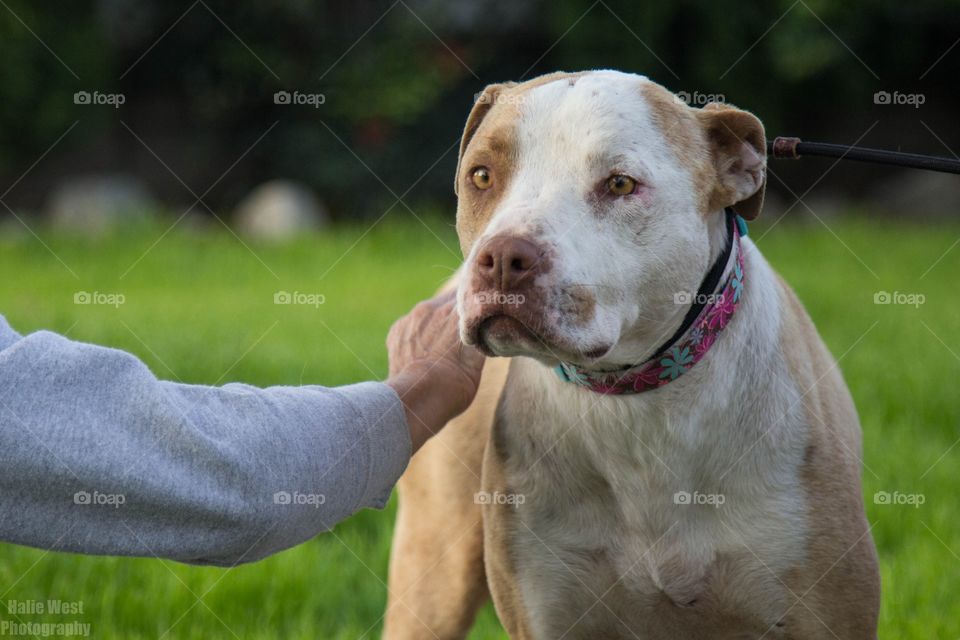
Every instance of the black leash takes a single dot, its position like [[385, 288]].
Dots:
[[792, 148]]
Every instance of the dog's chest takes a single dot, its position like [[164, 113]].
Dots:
[[643, 513]]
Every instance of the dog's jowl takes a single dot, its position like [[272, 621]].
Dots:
[[663, 447]]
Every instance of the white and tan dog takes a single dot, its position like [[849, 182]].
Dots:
[[725, 504]]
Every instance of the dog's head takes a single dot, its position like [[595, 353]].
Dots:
[[587, 203]]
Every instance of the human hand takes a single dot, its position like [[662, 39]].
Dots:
[[433, 372]]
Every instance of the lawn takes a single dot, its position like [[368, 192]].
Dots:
[[198, 306]]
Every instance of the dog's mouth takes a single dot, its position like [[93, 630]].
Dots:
[[501, 332], [506, 335], [551, 324]]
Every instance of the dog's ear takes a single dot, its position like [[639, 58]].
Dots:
[[483, 102], [738, 148]]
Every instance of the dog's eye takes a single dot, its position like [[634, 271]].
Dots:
[[621, 185], [482, 178]]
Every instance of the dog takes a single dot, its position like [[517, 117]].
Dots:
[[663, 448]]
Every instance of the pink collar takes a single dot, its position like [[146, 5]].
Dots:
[[680, 355]]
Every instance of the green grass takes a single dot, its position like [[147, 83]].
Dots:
[[199, 308]]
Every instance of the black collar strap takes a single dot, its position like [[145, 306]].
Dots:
[[707, 286], [713, 309]]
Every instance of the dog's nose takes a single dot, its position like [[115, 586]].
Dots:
[[508, 262]]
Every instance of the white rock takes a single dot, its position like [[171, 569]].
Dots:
[[95, 204], [279, 209]]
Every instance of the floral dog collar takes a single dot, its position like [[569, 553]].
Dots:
[[697, 335]]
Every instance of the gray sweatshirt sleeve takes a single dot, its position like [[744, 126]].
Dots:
[[98, 456]]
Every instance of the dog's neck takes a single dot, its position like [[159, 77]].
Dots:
[[741, 363], [710, 309]]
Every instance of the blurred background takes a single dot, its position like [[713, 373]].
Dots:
[[255, 191], [379, 91]]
